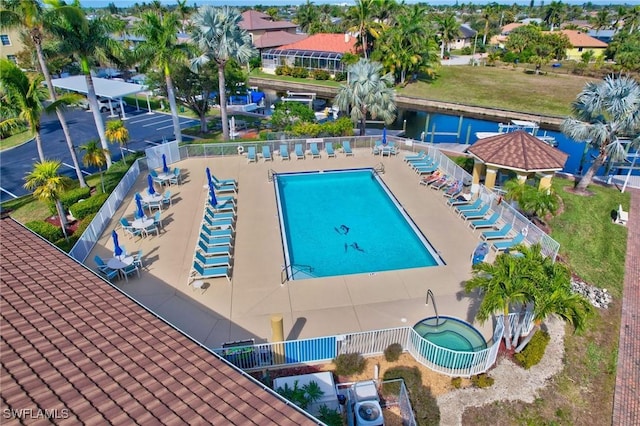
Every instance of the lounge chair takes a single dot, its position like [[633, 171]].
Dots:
[[284, 152], [218, 219], [453, 190], [224, 181], [215, 241], [460, 200], [314, 150], [476, 214], [498, 234], [346, 146], [222, 206], [214, 216], [421, 163], [468, 207], [266, 153], [251, 154], [419, 156], [223, 260], [299, 152], [213, 250], [423, 170], [218, 224], [329, 148], [431, 178], [216, 233], [224, 188], [199, 272], [443, 185], [505, 245], [485, 223]]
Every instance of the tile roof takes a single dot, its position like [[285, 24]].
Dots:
[[254, 20], [336, 43], [277, 38], [518, 150], [73, 343], [582, 39], [510, 27]]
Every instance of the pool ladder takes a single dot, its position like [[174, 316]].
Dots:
[[270, 175], [295, 268]]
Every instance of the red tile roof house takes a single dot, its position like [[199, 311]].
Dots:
[[581, 43], [319, 51], [266, 33], [77, 350]]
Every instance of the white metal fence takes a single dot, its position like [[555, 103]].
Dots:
[[94, 231]]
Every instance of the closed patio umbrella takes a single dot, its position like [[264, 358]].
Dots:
[[209, 180], [164, 164], [384, 135], [213, 199], [139, 211], [117, 250], [150, 182]]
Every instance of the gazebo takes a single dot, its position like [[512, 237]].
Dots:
[[518, 151]]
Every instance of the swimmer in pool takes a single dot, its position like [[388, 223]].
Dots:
[[357, 247]]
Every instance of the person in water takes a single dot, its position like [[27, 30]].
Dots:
[[344, 230], [357, 247]]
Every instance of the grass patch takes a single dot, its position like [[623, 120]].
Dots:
[[325, 83], [15, 140]]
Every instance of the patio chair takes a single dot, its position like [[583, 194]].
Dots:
[[176, 178], [376, 147], [212, 260], [137, 259], [166, 198], [266, 153], [497, 234], [157, 221], [109, 274], [224, 181], [329, 148], [128, 229], [476, 214], [152, 228], [199, 272], [130, 270], [299, 152], [419, 156], [251, 154], [505, 245], [214, 250], [473, 206], [314, 150], [346, 146], [104, 270], [485, 223], [284, 152], [155, 205]]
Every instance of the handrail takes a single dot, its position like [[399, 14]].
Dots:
[[285, 268], [270, 174], [379, 169]]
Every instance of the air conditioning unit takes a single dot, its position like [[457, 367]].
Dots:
[[367, 409]]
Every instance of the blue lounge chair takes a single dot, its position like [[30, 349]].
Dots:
[[314, 150], [222, 206], [218, 218], [346, 145], [299, 152], [458, 201], [504, 245], [251, 154], [426, 161], [419, 156], [426, 170], [476, 214], [485, 223], [224, 181], [284, 152], [498, 234], [473, 206], [214, 241], [212, 260], [218, 224], [213, 250], [216, 233], [329, 148], [221, 189], [266, 153], [214, 216], [199, 272], [443, 184]]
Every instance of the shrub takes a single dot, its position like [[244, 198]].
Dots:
[[348, 364], [330, 417], [465, 162], [73, 196], [456, 382], [299, 72], [424, 404], [66, 245], [482, 381], [533, 352], [84, 208], [340, 76], [45, 230], [320, 75], [392, 352], [284, 70]]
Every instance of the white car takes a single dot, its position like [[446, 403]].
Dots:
[[103, 104]]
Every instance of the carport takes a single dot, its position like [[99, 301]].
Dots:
[[105, 88]]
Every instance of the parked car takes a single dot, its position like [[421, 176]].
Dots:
[[103, 103]]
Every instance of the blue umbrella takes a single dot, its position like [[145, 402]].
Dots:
[[384, 136], [213, 200], [150, 182], [139, 211], [209, 180], [117, 250], [164, 164]]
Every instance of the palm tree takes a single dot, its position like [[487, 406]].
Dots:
[[48, 185], [449, 29], [554, 13], [488, 13], [30, 15], [28, 96], [88, 41], [95, 156], [183, 10], [220, 39], [117, 132], [632, 18], [359, 17], [367, 93], [160, 49], [552, 293], [306, 15], [605, 114], [504, 284]]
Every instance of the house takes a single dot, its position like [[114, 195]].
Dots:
[[465, 39], [75, 349], [319, 51], [581, 43], [10, 44], [266, 33], [602, 35], [501, 39]]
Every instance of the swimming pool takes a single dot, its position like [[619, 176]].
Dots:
[[346, 222]]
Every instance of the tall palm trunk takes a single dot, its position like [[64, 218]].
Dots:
[[36, 133], [588, 177], [97, 116], [223, 100], [507, 328], [63, 219], [171, 94], [61, 118], [363, 124]]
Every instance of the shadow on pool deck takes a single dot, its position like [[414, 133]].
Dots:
[[314, 307]]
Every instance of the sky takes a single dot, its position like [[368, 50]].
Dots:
[[126, 3]]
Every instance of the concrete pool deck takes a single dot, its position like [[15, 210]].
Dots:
[[315, 307]]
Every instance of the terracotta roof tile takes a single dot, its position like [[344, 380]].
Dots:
[[70, 340], [582, 39], [277, 38], [336, 43], [518, 150], [254, 20]]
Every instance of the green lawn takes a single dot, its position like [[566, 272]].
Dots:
[[15, 140]]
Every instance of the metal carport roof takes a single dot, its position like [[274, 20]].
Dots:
[[112, 89]]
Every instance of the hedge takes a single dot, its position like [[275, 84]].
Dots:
[[45, 230], [82, 209], [534, 351], [71, 197]]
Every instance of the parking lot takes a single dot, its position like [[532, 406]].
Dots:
[[145, 129]]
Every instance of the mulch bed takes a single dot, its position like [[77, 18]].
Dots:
[[71, 225]]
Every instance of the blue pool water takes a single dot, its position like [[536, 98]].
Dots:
[[450, 333], [346, 222]]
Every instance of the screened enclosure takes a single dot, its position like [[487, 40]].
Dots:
[[309, 59]]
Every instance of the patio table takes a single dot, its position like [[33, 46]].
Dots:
[[142, 224], [119, 263], [165, 177]]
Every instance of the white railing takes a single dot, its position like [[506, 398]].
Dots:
[[90, 236]]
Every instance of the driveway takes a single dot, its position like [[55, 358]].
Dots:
[[144, 130]]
